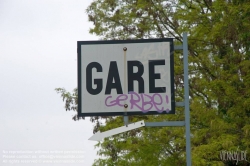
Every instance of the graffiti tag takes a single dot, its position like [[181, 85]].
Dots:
[[143, 102]]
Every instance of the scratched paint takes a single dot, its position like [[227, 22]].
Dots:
[[125, 76], [143, 102], [153, 51]]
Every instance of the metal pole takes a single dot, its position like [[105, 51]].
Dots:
[[186, 99], [125, 118]]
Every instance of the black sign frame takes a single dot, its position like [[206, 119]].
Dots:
[[79, 70]]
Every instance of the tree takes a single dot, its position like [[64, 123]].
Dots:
[[219, 65]]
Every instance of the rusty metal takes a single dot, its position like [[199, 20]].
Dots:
[[125, 106]]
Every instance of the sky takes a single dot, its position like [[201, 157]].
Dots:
[[38, 44]]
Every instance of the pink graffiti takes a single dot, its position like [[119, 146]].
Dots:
[[144, 102]]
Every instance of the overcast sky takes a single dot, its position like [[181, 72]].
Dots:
[[38, 44]]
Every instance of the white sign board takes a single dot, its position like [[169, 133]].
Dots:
[[99, 136], [133, 76]]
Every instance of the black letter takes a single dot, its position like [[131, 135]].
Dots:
[[153, 76], [98, 82], [135, 76], [113, 74]]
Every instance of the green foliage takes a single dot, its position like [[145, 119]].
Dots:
[[219, 65], [70, 100]]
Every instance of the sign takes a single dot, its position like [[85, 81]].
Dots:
[[99, 136], [125, 76]]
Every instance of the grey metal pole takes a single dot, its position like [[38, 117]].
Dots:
[[186, 99], [125, 119]]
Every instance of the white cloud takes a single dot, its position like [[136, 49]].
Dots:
[[38, 54]]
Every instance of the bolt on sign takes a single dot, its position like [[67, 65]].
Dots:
[[132, 77]]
